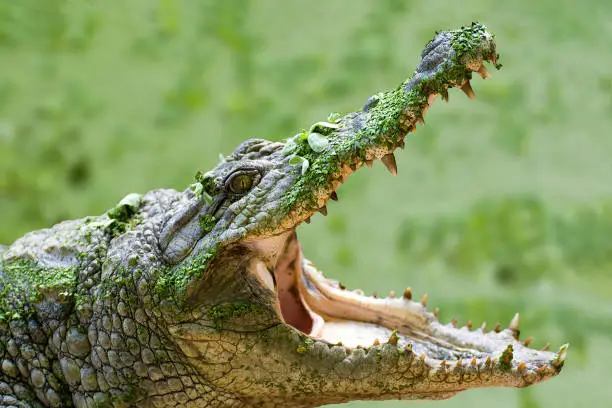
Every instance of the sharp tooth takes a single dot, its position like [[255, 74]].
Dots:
[[376, 342], [424, 300], [561, 355], [389, 161], [514, 326], [323, 210], [431, 98], [369, 163], [469, 324], [334, 196], [307, 220], [467, 89], [488, 362], [497, 328], [421, 121], [401, 143], [423, 357], [436, 312], [393, 338], [528, 341], [454, 322], [408, 294], [459, 362], [424, 112], [392, 294], [546, 347], [484, 327], [483, 72], [474, 362], [521, 367], [443, 364]]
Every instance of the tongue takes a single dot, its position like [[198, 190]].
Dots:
[[329, 300], [353, 334]]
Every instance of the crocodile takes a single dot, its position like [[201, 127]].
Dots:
[[203, 298]]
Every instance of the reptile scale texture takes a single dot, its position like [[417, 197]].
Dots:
[[203, 298]]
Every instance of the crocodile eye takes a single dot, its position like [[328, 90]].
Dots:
[[242, 181]]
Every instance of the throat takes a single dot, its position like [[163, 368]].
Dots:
[[287, 273]]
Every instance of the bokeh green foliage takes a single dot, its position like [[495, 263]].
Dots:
[[502, 204]]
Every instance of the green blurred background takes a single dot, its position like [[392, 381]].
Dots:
[[502, 204]]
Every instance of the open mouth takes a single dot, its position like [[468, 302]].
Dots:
[[326, 311]]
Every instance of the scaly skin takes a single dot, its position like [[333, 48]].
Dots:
[[202, 298]]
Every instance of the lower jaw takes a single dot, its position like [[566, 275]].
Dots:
[[349, 318]]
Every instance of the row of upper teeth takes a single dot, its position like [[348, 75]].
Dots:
[[389, 159]]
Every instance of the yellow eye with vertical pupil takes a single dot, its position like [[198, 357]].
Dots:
[[242, 182]]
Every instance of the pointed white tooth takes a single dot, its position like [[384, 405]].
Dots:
[[424, 300], [514, 324], [389, 161]]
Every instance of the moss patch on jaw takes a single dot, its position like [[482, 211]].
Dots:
[[219, 315], [505, 361], [173, 281]]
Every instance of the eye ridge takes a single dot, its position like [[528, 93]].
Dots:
[[242, 181]]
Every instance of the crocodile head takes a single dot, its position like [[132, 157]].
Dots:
[[263, 324]]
